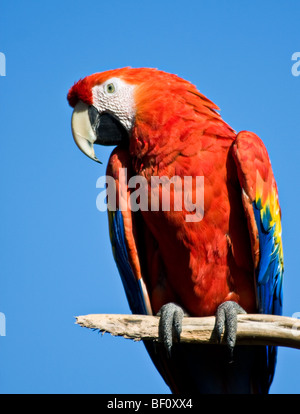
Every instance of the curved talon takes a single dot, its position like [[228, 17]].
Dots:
[[170, 324], [226, 316]]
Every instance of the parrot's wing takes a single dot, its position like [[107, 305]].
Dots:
[[134, 285], [123, 229], [260, 200]]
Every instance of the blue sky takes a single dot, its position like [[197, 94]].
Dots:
[[56, 259]]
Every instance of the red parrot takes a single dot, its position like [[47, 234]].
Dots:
[[226, 260]]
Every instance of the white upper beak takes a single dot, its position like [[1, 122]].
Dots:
[[82, 131]]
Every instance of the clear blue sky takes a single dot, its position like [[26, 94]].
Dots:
[[56, 259]]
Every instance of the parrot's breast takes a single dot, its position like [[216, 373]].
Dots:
[[200, 264]]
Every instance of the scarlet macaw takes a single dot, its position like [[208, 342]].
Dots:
[[230, 261]]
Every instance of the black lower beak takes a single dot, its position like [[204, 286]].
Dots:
[[107, 128]]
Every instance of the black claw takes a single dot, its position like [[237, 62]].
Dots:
[[170, 324], [226, 318]]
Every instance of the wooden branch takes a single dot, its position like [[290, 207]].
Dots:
[[251, 330]]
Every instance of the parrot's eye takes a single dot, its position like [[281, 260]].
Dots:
[[110, 88]]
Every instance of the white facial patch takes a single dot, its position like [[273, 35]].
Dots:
[[116, 96]]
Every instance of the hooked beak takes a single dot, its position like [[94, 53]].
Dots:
[[90, 127]]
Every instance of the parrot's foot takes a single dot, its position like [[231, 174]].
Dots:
[[226, 316], [170, 324]]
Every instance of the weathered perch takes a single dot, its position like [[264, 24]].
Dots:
[[251, 329]]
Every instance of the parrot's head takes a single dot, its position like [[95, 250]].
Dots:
[[140, 109]]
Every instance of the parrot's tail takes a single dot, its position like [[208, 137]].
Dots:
[[210, 369]]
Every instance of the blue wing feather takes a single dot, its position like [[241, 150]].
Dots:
[[269, 271], [132, 286]]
